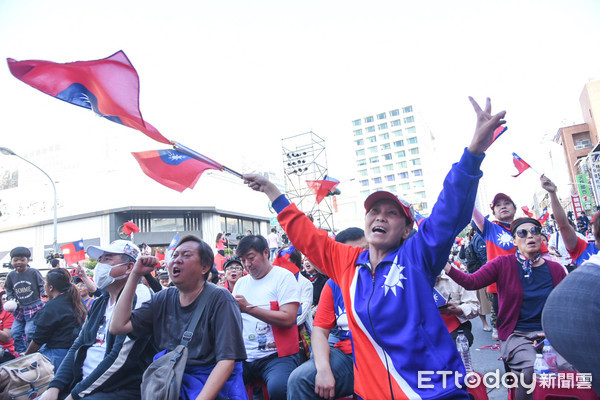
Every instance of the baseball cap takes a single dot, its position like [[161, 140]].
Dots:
[[231, 261], [501, 196], [404, 205], [117, 247], [163, 275]]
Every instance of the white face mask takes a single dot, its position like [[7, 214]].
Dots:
[[102, 274]]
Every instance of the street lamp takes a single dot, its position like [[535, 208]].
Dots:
[[9, 152]]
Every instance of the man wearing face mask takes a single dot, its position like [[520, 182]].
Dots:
[[100, 365]]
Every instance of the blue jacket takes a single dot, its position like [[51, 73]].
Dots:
[[397, 330], [127, 359]]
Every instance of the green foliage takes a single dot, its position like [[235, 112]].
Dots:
[[91, 265]]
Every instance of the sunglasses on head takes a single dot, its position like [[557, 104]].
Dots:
[[534, 230]]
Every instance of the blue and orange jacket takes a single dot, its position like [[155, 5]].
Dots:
[[397, 331]]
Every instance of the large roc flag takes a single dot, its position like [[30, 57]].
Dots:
[[110, 87]]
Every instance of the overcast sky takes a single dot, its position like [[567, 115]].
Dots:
[[231, 78]]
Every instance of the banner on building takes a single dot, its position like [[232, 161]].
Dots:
[[585, 194]]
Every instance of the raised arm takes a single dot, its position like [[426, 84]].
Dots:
[[478, 218], [454, 206], [314, 243], [89, 284], [121, 320], [566, 230]]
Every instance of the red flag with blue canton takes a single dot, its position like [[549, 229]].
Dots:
[[544, 217], [283, 260], [73, 252], [521, 165], [322, 187], [172, 168], [110, 87]]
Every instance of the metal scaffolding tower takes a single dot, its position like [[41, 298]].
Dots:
[[304, 158]]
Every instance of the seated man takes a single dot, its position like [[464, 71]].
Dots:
[[268, 298], [330, 373], [216, 348], [100, 365]]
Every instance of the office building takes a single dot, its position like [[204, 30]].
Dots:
[[393, 151]]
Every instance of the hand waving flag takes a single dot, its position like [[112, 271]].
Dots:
[[110, 87]]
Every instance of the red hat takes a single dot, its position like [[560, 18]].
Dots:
[[501, 196], [402, 204]]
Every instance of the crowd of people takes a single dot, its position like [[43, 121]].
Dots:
[[323, 317]]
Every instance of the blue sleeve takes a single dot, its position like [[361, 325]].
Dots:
[[280, 203], [452, 211]]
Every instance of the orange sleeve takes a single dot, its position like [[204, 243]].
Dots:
[[329, 256]]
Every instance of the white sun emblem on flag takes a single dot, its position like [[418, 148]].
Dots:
[[176, 157], [394, 278], [504, 239]]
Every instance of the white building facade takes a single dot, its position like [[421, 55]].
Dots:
[[393, 152]]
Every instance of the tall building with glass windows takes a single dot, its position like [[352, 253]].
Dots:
[[393, 152]]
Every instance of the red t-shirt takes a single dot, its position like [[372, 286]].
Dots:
[[325, 318]]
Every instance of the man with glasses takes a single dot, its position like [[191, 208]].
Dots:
[[100, 365], [525, 280], [233, 272]]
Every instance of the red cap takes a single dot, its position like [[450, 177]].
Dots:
[[382, 194], [501, 196]]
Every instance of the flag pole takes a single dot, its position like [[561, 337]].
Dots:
[[194, 154], [534, 170]]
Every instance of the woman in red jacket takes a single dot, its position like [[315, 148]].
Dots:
[[524, 281]]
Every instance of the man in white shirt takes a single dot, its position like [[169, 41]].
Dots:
[[269, 299]]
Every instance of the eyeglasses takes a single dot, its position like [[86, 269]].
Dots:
[[534, 230], [234, 268]]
